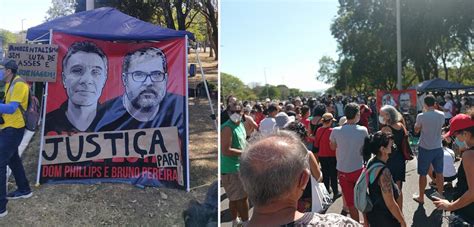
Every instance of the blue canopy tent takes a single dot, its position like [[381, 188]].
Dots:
[[106, 24], [438, 84]]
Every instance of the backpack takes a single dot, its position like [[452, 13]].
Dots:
[[361, 198], [31, 115]]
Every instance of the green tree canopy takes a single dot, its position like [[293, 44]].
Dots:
[[437, 36], [231, 85]]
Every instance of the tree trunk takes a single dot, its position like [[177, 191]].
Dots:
[[180, 15], [211, 53], [212, 19], [444, 58], [168, 14]]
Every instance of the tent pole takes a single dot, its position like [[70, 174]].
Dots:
[[205, 84], [43, 122], [187, 117]]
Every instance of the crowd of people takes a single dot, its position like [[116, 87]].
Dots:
[[270, 149]]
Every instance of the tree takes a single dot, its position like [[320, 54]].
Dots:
[[231, 85], [60, 8], [209, 9], [8, 37], [191, 15], [435, 35], [327, 70]]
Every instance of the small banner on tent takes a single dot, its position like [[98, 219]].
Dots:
[[36, 62], [118, 114], [403, 100]]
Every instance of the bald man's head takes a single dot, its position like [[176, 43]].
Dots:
[[271, 166]]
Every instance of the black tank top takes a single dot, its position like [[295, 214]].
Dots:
[[397, 138], [375, 193], [461, 188]]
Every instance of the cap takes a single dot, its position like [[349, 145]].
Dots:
[[247, 108], [9, 64], [328, 116], [459, 122], [342, 121], [282, 119]]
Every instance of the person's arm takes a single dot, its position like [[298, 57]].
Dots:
[[226, 142], [314, 167], [385, 182], [251, 122], [468, 196], [9, 108], [317, 140], [332, 141], [418, 124]]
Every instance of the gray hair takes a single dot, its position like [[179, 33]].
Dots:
[[393, 114], [271, 165]]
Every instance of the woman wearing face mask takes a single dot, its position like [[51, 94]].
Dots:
[[390, 119], [383, 192], [233, 141], [462, 127]]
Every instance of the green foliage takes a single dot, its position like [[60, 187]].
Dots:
[[269, 91], [437, 41], [8, 38], [197, 26], [60, 8], [231, 85], [174, 14]]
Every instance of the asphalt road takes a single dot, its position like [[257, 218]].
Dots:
[[415, 215]]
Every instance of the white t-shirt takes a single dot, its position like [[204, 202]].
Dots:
[[267, 126], [449, 169], [449, 107]]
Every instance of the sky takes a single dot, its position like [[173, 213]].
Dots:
[[282, 39], [12, 12]]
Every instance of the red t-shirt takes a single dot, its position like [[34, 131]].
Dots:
[[364, 117], [305, 122], [259, 117], [322, 141]]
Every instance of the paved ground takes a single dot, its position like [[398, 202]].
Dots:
[[415, 215]]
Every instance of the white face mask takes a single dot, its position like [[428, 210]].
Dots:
[[235, 117], [381, 120]]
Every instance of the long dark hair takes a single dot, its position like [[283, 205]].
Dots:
[[374, 142]]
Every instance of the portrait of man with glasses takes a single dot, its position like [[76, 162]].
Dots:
[[84, 73], [145, 102]]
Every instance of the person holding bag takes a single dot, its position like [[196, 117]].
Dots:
[[327, 156], [390, 118]]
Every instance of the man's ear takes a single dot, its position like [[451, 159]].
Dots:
[[63, 78], [124, 79], [304, 178]]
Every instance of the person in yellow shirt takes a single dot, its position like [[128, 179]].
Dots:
[[12, 127]]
